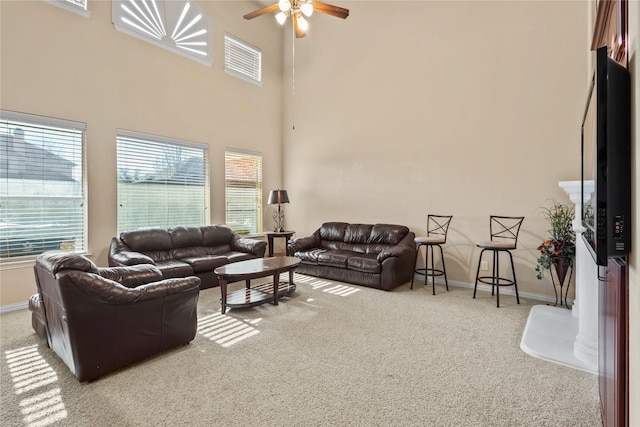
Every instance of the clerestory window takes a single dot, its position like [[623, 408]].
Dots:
[[76, 6], [162, 182], [42, 185], [242, 59], [177, 25]]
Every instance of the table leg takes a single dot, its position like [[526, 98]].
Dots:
[[270, 244], [291, 278], [247, 284], [223, 292], [276, 285]]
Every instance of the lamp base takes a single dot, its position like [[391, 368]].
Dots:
[[278, 217]]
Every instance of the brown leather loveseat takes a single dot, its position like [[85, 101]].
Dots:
[[378, 256], [98, 320], [184, 251]]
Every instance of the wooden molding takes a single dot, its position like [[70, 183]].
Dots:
[[611, 29]]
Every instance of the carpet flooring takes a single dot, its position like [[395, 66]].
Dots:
[[332, 354]]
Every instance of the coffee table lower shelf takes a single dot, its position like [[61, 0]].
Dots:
[[258, 294]]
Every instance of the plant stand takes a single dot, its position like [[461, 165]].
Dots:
[[562, 267]]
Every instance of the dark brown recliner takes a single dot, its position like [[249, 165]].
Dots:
[[98, 320]]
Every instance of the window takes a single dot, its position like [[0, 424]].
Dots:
[[162, 182], [76, 6], [42, 185], [242, 60], [243, 191], [177, 25]]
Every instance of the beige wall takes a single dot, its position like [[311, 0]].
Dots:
[[56, 63], [634, 276], [463, 108]]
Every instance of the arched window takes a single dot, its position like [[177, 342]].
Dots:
[[179, 26]]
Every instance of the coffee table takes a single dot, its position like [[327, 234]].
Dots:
[[254, 269]]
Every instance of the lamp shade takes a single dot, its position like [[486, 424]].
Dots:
[[277, 197]]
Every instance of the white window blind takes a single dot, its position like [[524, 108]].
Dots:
[[162, 182], [242, 60], [243, 191], [176, 25], [42, 185]]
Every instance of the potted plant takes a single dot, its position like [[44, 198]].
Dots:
[[559, 249]]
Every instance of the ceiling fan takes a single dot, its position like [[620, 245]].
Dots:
[[298, 10]]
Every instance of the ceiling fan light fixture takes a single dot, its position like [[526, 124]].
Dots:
[[302, 23], [281, 18], [284, 5], [307, 9]]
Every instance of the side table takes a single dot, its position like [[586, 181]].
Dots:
[[277, 234]]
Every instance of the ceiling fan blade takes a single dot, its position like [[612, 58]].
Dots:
[[261, 12], [296, 28], [329, 9]]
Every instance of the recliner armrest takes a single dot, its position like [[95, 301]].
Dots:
[[111, 292], [131, 276]]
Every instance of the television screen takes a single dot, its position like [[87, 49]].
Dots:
[[606, 161]]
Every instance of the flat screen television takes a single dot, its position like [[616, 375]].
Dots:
[[606, 161]]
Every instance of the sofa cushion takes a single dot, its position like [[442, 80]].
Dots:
[[367, 263], [387, 234], [172, 268], [333, 231], [334, 258], [206, 263], [182, 237], [147, 239], [357, 233], [215, 235]]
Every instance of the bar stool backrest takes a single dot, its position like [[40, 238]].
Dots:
[[505, 228], [438, 225]]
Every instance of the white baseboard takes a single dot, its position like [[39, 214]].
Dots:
[[14, 307], [419, 279]]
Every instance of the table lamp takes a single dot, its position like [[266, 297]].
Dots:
[[278, 197]]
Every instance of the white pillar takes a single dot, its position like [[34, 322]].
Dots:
[[585, 308]]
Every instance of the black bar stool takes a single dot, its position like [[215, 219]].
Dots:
[[437, 227], [504, 238]]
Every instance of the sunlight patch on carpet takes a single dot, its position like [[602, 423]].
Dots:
[[226, 330], [32, 377], [326, 286]]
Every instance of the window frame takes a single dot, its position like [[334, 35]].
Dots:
[[258, 212], [67, 125], [158, 139], [232, 68], [71, 6], [161, 17]]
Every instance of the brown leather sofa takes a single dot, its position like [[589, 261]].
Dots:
[[184, 251], [379, 256], [98, 320]]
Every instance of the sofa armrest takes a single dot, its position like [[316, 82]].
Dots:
[[121, 254], [394, 251], [302, 244], [129, 258], [131, 276], [250, 246]]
